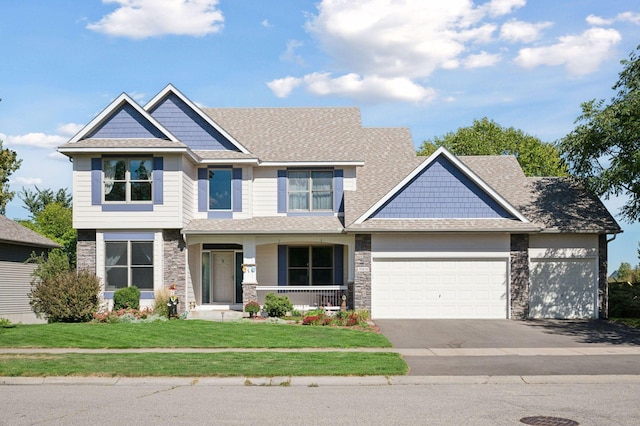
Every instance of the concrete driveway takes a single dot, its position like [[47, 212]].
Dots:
[[506, 347]]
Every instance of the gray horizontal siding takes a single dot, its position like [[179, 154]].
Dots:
[[15, 284]]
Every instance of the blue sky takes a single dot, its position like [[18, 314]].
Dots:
[[431, 66]]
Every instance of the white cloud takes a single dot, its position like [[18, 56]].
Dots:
[[140, 19], [503, 7], [282, 87], [37, 140], [515, 31], [480, 60], [290, 53], [69, 129], [598, 20], [629, 17], [368, 87], [580, 54], [265, 23], [27, 181]]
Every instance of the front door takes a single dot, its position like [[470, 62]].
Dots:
[[218, 281]]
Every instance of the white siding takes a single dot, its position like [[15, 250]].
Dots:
[[166, 215], [189, 198], [563, 246], [440, 246], [15, 284], [267, 264], [265, 192], [349, 179]]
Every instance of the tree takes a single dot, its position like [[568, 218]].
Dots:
[[35, 201], [624, 272], [486, 137], [604, 148], [9, 163], [55, 222]]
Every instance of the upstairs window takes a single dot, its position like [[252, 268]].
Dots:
[[310, 265], [128, 179], [310, 190], [220, 189]]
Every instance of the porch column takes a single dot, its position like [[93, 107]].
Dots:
[[249, 282]]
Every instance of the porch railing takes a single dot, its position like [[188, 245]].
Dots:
[[305, 298]]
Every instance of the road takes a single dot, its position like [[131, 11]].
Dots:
[[588, 400]]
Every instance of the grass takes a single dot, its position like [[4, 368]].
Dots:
[[631, 322], [194, 334], [224, 364], [185, 334]]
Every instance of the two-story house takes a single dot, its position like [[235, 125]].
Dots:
[[229, 204]]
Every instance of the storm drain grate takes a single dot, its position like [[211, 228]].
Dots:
[[548, 421]]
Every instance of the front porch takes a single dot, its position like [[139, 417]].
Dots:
[[226, 272]]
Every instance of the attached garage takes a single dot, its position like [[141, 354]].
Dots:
[[436, 276], [564, 282]]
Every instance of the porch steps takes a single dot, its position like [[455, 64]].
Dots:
[[216, 315]]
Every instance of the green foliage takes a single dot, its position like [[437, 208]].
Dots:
[[486, 137], [252, 307], [340, 318], [36, 201], [55, 221], [277, 306], [55, 263], [604, 148], [66, 296], [4, 322], [126, 298], [160, 306], [9, 163], [624, 300]]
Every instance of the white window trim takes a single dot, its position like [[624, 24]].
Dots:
[[127, 180]]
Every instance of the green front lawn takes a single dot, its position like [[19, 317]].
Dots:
[[252, 364], [186, 334]]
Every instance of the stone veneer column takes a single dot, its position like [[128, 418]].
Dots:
[[519, 287], [174, 264], [86, 250], [603, 287], [249, 293], [362, 284]]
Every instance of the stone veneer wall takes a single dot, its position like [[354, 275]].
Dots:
[[603, 287], [519, 287], [362, 284], [249, 293], [174, 263], [86, 250]]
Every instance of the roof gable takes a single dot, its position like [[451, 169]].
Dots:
[[441, 187], [187, 122], [123, 119]]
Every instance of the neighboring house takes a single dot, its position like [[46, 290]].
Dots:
[[16, 245], [229, 204]]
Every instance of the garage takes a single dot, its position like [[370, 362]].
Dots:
[[563, 288], [439, 288]]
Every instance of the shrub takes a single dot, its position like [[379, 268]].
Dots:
[[65, 296], [252, 307], [160, 306], [126, 298], [624, 300], [277, 306]]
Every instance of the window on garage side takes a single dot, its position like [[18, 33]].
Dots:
[[310, 265], [129, 263]]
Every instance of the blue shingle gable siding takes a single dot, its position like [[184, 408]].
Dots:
[[441, 191], [126, 123], [188, 126]]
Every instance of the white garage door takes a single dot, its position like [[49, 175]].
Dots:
[[563, 288], [426, 288]]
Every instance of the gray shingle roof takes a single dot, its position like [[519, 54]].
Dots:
[[294, 134], [14, 233], [444, 225], [122, 143], [267, 225]]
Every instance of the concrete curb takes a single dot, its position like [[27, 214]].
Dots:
[[318, 381]]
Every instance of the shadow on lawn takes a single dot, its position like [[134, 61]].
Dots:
[[590, 331]]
